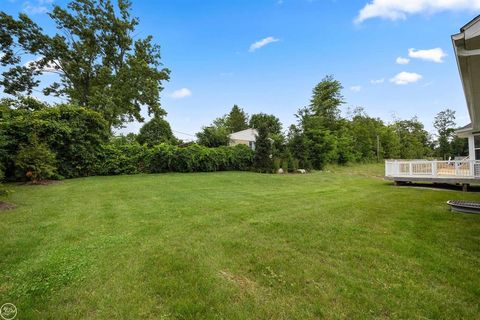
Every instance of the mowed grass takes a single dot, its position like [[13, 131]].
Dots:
[[239, 245]]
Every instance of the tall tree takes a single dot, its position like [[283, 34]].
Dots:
[[445, 124], [320, 123], [99, 64], [262, 160], [326, 99], [237, 119]]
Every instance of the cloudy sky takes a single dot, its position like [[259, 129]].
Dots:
[[393, 57]]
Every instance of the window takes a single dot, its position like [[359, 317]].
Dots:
[[476, 140]]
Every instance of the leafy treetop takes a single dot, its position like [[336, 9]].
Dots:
[[99, 63]]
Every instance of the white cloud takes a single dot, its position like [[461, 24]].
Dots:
[[435, 55], [400, 9], [377, 81], [405, 78], [402, 60], [257, 45], [181, 93], [356, 88]]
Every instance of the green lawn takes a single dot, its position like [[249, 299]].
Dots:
[[239, 245]]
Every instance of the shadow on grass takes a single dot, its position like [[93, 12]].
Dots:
[[436, 186]]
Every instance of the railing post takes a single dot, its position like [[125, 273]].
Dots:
[[434, 168], [456, 168], [410, 168]]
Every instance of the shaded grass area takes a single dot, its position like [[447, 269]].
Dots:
[[237, 245]]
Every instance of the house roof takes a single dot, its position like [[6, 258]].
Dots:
[[247, 135], [466, 45]]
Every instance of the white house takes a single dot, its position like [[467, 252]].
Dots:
[[247, 137], [467, 50], [466, 45]]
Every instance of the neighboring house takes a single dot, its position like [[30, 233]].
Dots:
[[247, 137], [466, 45]]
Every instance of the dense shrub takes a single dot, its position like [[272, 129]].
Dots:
[[75, 135], [35, 161], [128, 158], [122, 157]]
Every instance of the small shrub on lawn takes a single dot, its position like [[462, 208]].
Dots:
[[35, 161]]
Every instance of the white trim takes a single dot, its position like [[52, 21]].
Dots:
[[468, 53]]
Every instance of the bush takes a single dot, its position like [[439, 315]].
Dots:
[[285, 165], [35, 161], [120, 157], [75, 135], [277, 164]]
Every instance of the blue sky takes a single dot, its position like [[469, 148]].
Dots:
[[209, 47]]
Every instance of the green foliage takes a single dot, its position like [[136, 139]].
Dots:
[[459, 146], [35, 161], [277, 164], [99, 63], [156, 131], [297, 147], [236, 120], [73, 134], [445, 124], [321, 147], [262, 161], [213, 136], [326, 100], [414, 139], [271, 122], [121, 157], [323, 136]]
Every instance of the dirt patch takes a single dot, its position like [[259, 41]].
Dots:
[[6, 206], [245, 284]]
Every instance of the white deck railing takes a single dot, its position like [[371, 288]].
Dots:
[[433, 169]]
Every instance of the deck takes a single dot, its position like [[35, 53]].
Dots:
[[455, 172]]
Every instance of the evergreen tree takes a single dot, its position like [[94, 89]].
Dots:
[[262, 160], [236, 120]]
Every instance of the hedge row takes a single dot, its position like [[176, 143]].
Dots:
[[132, 158]]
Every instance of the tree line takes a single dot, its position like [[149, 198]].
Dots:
[[322, 136]]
